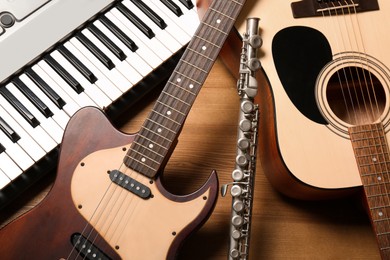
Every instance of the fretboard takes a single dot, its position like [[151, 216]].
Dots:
[[161, 128], [372, 156]]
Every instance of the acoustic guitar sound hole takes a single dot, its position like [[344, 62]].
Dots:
[[356, 96]]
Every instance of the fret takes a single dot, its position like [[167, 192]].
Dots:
[[170, 111]]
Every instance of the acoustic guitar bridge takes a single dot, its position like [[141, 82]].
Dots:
[[312, 8], [130, 184]]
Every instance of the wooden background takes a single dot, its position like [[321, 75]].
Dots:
[[282, 228]]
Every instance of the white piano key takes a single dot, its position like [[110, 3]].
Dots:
[[8, 166], [71, 105], [175, 28], [190, 17], [16, 153], [118, 79], [91, 90], [104, 83], [162, 35], [123, 67], [52, 132], [59, 115], [133, 58], [156, 46], [82, 99], [4, 180], [17, 122], [144, 49]]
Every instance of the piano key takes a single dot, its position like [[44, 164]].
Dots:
[[105, 84], [118, 33], [2, 148], [156, 46], [64, 74], [90, 90], [4, 180], [190, 18], [20, 108], [16, 153], [59, 115], [8, 131], [123, 67], [162, 35], [71, 105], [188, 4], [132, 57], [81, 99], [150, 13], [77, 64], [32, 97], [173, 7], [53, 96], [135, 20], [48, 129], [95, 51], [26, 141], [144, 50], [107, 42], [179, 30], [119, 80], [9, 166]]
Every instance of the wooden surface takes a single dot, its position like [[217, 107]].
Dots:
[[282, 228]]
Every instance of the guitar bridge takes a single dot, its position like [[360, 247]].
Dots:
[[312, 8]]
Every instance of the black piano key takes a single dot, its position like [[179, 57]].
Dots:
[[42, 107], [136, 21], [77, 64], [119, 33], [53, 96], [107, 42], [26, 114], [64, 74], [95, 51], [2, 148], [8, 131], [188, 4], [173, 7], [150, 13]]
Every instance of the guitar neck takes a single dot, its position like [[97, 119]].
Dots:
[[372, 155], [161, 128]]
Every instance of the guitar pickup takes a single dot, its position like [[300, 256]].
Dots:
[[312, 8], [130, 184], [87, 249]]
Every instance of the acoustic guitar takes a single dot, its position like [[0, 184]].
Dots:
[[108, 201], [324, 100]]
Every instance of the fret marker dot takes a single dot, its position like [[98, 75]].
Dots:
[[204, 48], [374, 159], [159, 130], [379, 178], [150, 145], [178, 79], [191, 86], [380, 213], [218, 20], [143, 159], [169, 113]]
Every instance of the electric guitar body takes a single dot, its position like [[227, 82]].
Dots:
[[326, 66], [124, 226]]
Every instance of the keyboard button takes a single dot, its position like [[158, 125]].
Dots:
[[77, 64], [43, 86], [64, 74], [173, 7], [150, 13], [4, 180], [8, 131], [20, 108], [2, 148], [188, 4], [42, 107], [8, 166]]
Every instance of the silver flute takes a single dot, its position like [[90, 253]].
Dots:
[[243, 175]]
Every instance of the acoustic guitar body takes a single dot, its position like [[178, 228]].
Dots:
[[85, 206], [326, 70]]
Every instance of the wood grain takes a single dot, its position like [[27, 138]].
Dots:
[[282, 228]]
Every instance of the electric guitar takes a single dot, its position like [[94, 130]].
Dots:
[[108, 201], [325, 108]]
